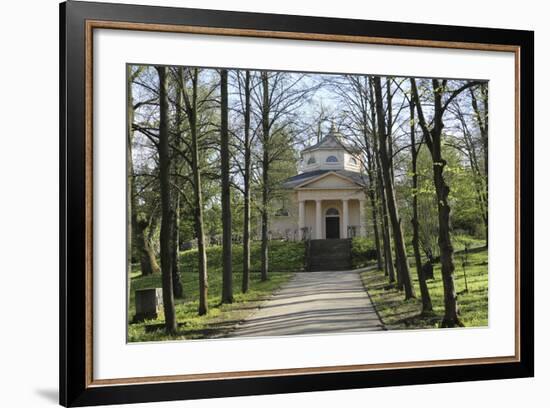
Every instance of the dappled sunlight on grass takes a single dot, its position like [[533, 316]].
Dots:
[[399, 314]]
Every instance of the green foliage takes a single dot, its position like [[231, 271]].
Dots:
[[466, 215], [427, 201], [213, 220], [399, 314], [462, 240], [363, 252], [283, 257]]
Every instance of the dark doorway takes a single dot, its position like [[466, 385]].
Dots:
[[333, 227]]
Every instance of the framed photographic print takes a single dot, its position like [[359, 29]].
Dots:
[[256, 203]]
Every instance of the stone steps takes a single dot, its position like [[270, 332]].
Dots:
[[329, 254]]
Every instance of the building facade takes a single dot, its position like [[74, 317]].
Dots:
[[326, 200]]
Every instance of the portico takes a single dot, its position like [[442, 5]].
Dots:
[[331, 218]]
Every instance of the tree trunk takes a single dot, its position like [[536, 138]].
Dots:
[[442, 191], [143, 234], [386, 235], [166, 223], [445, 245], [375, 224], [424, 292], [247, 170], [389, 144], [227, 273], [401, 255], [149, 243], [485, 134], [198, 210], [482, 121], [139, 228], [389, 130], [265, 178], [372, 190], [176, 278], [399, 278], [433, 141], [130, 191], [386, 240]]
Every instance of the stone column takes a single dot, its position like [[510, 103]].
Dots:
[[345, 218], [318, 220], [301, 218], [362, 220]]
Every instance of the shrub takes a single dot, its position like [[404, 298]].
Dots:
[[284, 256], [363, 251]]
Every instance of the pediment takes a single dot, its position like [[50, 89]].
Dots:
[[329, 181]]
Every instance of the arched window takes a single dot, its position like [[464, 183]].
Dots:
[[311, 160], [353, 161], [332, 212], [332, 159]]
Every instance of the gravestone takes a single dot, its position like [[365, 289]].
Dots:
[[184, 246], [428, 270], [148, 304], [428, 267]]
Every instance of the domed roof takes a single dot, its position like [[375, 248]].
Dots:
[[332, 140]]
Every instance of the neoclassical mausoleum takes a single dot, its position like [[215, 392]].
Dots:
[[326, 200]]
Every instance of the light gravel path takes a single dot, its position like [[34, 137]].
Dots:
[[314, 303]]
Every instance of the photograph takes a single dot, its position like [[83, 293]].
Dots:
[[257, 203], [265, 203]]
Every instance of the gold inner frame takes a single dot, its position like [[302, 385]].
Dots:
[[99, 24]]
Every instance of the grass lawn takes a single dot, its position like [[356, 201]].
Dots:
[[284, 258], [399, 314]]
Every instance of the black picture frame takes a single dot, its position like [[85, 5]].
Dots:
[[75, 386]]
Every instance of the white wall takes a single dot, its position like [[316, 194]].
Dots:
[[28, 170], [321, 163]]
